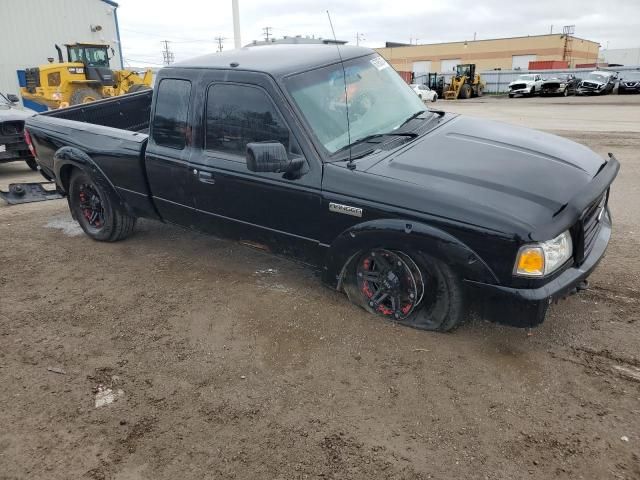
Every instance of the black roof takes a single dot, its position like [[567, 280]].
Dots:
[[277, 60]]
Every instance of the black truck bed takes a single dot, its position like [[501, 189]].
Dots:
[[127, 112]]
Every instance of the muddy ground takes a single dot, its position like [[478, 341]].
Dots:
[[227, 362]]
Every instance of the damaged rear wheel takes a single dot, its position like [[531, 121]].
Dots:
[[412, 289]]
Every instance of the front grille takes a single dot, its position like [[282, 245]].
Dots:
[[589, 85], [630, 84], [518, 86], [591, 223], [11, 128], [550, 86]]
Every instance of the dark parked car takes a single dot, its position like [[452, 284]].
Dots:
[[629, 83], [563, 84], [12, 144], [416, 214], [598, 83]]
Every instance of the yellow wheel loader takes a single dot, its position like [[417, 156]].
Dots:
[[466, 83], [85, 77]]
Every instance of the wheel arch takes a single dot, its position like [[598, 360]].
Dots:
[[398, 234], [67, 158]]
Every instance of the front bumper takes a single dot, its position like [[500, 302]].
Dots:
[[591, 91], [553, 91], [522, 307], [521, 91]]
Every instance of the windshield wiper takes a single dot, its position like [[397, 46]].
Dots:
[[412, 117], [378, 135], [371, 137]]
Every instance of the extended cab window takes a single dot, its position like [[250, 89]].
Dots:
[[170, 122], [240, 114]]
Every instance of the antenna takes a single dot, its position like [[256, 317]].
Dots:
[[350, 164]]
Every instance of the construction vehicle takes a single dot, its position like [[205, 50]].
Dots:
[[85, 76], [466, 83]]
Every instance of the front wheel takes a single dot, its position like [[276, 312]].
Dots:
[[410, 288], [92, 207]]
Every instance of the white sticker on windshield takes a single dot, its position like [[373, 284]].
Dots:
[[379, 63]]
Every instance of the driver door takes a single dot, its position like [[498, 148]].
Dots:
[[272, 208]]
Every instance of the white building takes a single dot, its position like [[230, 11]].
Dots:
[[621, 56], [30, 29]]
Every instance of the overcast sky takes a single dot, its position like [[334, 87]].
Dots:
[[192, 25]]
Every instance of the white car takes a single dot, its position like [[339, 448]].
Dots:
[[528, 84], [424, 92]]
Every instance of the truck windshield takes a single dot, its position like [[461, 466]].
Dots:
[[378, 100]]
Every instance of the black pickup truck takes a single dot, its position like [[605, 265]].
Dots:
[[418, 215]]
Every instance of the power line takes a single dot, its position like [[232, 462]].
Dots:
[[267, 33], [175, 39], [167, 54], [359, 36], [220, 41]]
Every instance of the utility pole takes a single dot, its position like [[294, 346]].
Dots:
[[267, 33], [237, 43], [220, 41], [167, 54], [359, 36]]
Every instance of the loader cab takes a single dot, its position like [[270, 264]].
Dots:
[[95, 59], [466, 70]]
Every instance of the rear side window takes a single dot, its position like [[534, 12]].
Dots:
[[239, 114], [170, 121]]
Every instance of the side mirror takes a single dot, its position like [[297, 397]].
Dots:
[[12, 98], [271, 157]]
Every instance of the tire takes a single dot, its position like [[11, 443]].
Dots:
[[479, 90], [438, 306], [465, 91], [532, 92], [434, 98], [32, 164], [113, 224], [565, 93], [138, 87], [511, 95], [84, 95]]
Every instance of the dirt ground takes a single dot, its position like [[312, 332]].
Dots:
[[227, 362]]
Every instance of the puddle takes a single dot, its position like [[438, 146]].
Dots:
[[68, 226]]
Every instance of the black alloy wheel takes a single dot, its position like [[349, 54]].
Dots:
[[390, 283], [91, 206]]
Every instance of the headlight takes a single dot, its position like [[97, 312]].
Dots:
[[540, 259], [562, 85]]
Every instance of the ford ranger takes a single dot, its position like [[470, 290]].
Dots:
[[417, 215]]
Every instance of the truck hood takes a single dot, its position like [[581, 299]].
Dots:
[[491, 173]]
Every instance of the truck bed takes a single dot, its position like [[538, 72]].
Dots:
[[111, 132], [127, 112]]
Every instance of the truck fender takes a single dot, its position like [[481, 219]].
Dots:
[[67, 158], [397, 234]]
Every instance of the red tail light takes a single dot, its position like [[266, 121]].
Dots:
[[27, 139]]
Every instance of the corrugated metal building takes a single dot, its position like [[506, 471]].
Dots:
[[30, 28], [503, 53], [621, 56]]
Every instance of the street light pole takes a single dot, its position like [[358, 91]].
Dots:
[[236, 23]]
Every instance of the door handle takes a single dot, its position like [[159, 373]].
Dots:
[[206, 177]]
